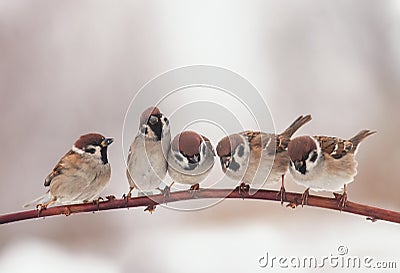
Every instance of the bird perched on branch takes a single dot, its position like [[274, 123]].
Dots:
[[258, 158], [80, 175], [190, 159], [147, 163], [323, 163]]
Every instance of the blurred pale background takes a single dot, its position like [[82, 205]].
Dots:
[[69, 67]]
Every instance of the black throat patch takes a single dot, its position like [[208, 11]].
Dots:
[[303, 168], [103, 152], [157, 127]]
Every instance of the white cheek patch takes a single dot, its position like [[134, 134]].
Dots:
[[150, 132], [311, 164], [165, 127], [165, 131], [180, 159], [203, 150], [240, 158], [98, 151], [142, 129]]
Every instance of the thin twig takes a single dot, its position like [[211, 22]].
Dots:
[[372, 213]]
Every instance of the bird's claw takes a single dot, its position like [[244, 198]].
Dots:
[[194, 189], [292, 204], [166, 192], [97, 202], [242, 188], [40, 207], [127, 196], [110, 197], [67, 211], [150, 208]]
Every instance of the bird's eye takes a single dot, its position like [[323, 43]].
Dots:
[[153, 120], [91, 150]]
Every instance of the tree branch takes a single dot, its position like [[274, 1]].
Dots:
[[373, 213]]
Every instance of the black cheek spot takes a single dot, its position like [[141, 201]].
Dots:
[[290, 163], [234, 166], [303, 168], [240, 151], [179, 158]]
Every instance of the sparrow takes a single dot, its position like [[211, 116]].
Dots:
[[255, 157], [147, 163], [190, 159], [323, 163], [80, 175]]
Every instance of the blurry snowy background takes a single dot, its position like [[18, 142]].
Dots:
[[71, 67]]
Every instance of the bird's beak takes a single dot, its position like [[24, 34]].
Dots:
[[225, 161], [194, 159], [298, 165], [107, 142]]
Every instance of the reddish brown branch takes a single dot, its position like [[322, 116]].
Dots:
[[372, 213]]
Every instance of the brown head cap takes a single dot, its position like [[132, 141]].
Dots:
[[300, 146], [151, 111], [187, 142], [228, 144], [89, 139]]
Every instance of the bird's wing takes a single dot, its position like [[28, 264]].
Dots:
[[57, 169], [334, 146], [260, 141]]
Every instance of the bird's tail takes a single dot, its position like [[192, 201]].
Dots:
[[40, 200], [300, 121], [360, 136]]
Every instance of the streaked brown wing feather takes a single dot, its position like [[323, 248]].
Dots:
[[254, 138], [282, 143], [334, 146], [62, 164], [259, 141]]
